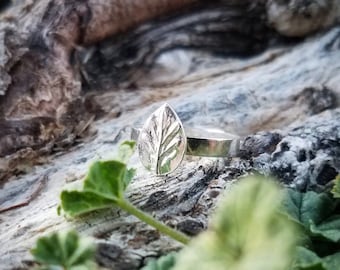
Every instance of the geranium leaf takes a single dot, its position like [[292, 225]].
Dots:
[[110, 178], [308, 207], [247, 232], [332, 262], [336, 188], [75, 203], [106, 178], [307, 260], [166, 262], [329, 229], [103, 186], [125, 151], [129, 174], [64, 249]]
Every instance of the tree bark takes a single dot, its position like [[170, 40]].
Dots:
[[76, 75]]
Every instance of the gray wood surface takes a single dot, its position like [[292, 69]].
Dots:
[[284, 101]]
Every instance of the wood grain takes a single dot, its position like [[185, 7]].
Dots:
[[280, 94], [270, 96]]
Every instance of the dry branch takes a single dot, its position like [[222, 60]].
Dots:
[[69, 68]]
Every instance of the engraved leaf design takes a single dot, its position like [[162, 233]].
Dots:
[[162, 141]]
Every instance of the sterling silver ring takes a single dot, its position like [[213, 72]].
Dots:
[[162, 141]]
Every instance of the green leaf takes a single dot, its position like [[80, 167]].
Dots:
[[110, 178], [336, 188], [247, 233], [316, 213], [64, 249], [79, 202], [332, 262], [86, 266], [125, 151], [328, 229], [103, 187], [106, 178], [166, 262], [307, 208], [129, 174], [307, 260]]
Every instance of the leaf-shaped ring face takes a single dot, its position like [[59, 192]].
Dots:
[[162, 141]]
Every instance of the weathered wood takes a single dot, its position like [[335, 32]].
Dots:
[[283, 95], [55, 51], [284, 101], [38, 76]]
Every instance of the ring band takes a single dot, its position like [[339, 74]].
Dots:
[[162, 142], [214, 144]]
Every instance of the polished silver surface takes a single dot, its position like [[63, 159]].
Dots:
[[162, 142], [207, 142]]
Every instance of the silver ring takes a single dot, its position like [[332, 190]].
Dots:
[[162, 141]]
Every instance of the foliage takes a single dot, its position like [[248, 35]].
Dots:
[[247, 232], [165, 262], [104, 187], [308, 260], [64, 250], [239, 237], [318, 216], [256, 226], [336, 188]]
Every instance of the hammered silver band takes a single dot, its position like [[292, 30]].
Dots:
[[162, 142]]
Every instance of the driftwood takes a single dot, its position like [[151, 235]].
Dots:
[[76, 75]]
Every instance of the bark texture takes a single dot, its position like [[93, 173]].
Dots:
[[75, 75]]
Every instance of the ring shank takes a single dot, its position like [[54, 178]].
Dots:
[[213, 144]]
